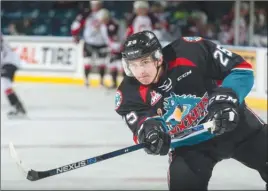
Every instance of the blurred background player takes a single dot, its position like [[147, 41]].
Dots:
[[141, 19], [9, 65], [95, 48], [162, 27], [109, 29]]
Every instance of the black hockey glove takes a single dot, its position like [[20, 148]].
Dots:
[[151, 132], [223, 109]]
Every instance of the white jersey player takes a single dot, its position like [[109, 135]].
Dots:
[[95, 48], [142, 19], [9, 65], [109, 30]]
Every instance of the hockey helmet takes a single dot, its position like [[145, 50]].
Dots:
[[141, 4], [103, 14], [93, 3], [140, 45]]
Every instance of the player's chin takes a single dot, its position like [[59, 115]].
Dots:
[[145, 80]]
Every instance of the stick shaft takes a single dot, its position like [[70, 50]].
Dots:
[[37, 175]]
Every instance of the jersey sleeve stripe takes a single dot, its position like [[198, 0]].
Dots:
[[249, 69], [243, 65], [77, 26], [180, 62]]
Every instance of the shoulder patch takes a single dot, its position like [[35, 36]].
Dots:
[[118, 99], [192, 39]]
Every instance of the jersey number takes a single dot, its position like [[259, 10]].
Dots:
[[221, 53], [131, 118]]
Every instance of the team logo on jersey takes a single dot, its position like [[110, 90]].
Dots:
[[155, 97], [192, 39], [166, 86], [184, 111], [118, 99]]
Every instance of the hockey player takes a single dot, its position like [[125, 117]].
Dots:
[[142, 19], [9, 65], [109, 29], [95, 49], [171, 89]]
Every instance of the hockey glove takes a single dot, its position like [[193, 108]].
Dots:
[[151, 132], [223, 109]]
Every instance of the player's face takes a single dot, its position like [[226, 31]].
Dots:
[[144, 69]]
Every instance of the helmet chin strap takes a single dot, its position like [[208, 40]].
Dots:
[[157, 71]]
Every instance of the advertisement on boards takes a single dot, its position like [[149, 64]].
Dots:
[[46, 55]]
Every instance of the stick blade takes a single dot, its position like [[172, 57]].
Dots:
[[33, 175], [16, 158]]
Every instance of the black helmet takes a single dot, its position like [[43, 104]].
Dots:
[[139, 45]]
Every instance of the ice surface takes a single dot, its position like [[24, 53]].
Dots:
[[72, 123]]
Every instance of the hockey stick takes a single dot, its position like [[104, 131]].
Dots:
[[33, 175]]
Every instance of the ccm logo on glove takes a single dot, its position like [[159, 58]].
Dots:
[[223, 98]]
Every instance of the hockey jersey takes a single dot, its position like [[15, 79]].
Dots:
[[8, 56], [91, 25], [193, 66], [139, 23], [110, 33]]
